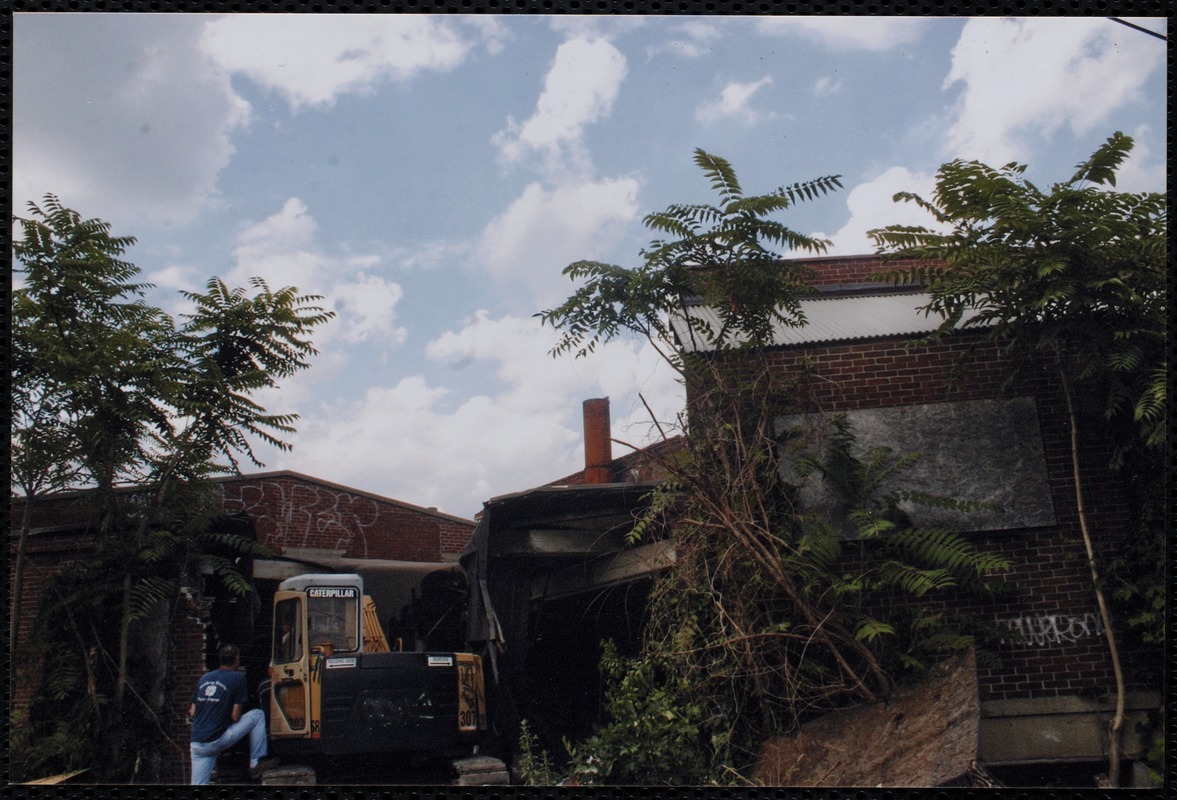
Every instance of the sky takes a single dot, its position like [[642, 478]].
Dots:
[[431, 176]]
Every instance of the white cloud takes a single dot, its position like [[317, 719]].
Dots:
[[521, 434], [733, 102], [544, 230], [692, 39], [1027, 78], [490, 29], [429, 255], [367, 307], [313, 58], [592, 26], [479, 340], [826, 86], [534, 381], [871, 206], [397, 437], [276, 249], [139, 123], [292, 225], [176, 277], [1143, 171], [848, 33], [283, 250], [579, 89]]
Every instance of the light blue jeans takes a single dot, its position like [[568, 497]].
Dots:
[[204, 754]]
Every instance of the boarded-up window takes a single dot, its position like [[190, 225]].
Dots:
[[984, 451]]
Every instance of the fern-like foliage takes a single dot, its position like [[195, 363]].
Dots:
[[1077, 273], [1101, 167], [810, 190], [727, 256], [110, 392], [870, 629], [894, 558], [719, 171]]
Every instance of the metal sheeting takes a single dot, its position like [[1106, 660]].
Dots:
[[832, 319], [502, 540]]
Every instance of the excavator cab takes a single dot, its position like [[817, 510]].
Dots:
[[336, 688]]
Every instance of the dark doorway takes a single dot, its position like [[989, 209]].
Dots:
[[563, 695]]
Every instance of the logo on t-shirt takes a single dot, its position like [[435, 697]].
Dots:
[[210, 689]]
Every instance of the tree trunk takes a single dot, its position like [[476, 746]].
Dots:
[[124, 635], [1117, 721], [150, 637], [125, 627]]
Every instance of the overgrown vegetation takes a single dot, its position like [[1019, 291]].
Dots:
[[534, 766], [770, 613], [1071, 280], [113, 396]]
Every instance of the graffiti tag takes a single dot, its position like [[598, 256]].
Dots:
[[1047, 629]]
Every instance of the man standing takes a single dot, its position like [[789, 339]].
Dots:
[[217, 721]]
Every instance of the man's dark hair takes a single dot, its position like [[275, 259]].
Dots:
[[229, 654]]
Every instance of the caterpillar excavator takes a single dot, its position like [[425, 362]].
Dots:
[[340, 691]]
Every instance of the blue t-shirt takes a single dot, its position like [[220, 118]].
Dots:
[[214, 697]]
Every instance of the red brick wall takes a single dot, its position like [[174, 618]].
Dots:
[[851, 270], [291, 511], [45, 556], [454, 536], [1050, 587], [1052, 601], [888, 373], [185, 666]]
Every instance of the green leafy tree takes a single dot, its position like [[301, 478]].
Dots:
[[1074, 278], [658, 730], [761, 618], [112, 395], [43, 460], [727, 256]]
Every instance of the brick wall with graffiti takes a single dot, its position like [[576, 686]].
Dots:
[[1046, 633], [289, 510]]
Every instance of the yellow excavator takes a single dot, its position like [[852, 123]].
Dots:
[[337, 689]]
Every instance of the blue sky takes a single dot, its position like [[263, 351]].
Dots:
[[431, 176]]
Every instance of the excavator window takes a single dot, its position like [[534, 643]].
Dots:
[[287, 631], [334, 621]]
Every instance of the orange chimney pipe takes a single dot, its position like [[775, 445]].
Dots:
[[598, 444]]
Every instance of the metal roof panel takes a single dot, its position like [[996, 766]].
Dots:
[[833, 319]]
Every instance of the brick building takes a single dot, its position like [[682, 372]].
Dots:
[[1044, 706], [308, 525], [986, 439], [983, 438], [556, 555]]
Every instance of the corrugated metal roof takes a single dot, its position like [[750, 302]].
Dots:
[[834, 319]]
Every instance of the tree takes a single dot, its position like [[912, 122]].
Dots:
[[762, 620], [723, 257], [112, 394], [1076, 276], [43, 460]]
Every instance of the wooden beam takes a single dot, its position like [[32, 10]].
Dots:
[[563, 542], [624, 565], [53, 780]]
